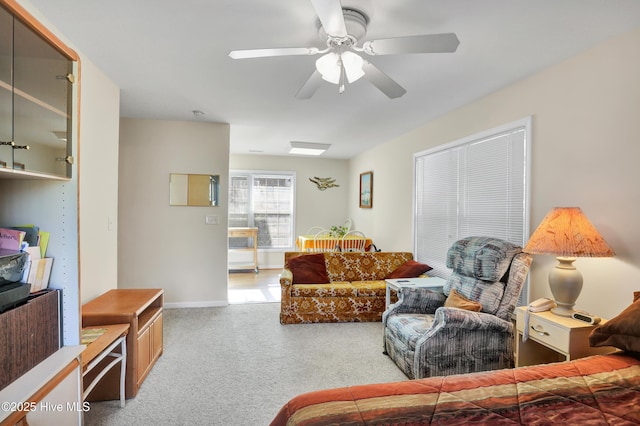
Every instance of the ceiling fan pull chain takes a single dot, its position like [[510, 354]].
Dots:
[[343, 78]]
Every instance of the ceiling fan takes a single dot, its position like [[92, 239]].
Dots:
[[342, 62]]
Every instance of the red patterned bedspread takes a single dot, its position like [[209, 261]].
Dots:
[[599, 390]]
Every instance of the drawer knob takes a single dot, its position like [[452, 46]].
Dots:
[[539, 331]]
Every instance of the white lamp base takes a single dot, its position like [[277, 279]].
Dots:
[[565, 282]]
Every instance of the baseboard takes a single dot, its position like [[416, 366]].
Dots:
[[205, 304], [260, 267]]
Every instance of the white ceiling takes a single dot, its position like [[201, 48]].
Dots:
[[170, 58]]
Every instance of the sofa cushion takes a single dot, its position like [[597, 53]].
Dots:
[[323, 290], [456, 300], [409, 269], [623, 331], [363, 266], [370, 288], [309, 269], [482, 258]]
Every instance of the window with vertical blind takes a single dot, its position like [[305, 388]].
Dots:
[[264, 200], [477, 186]]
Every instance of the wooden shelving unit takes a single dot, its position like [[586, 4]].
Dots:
[[142, 310], [43, 191]]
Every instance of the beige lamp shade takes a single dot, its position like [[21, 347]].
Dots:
[[566, 231]]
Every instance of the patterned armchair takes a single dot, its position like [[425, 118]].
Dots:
[[426, 336]]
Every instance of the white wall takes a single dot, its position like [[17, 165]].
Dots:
[[171, 247], [313, 207], [98, 187], [585, 154]]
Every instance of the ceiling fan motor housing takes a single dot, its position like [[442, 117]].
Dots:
[[356, 23]]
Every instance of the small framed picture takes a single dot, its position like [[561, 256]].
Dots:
[[366, 190]]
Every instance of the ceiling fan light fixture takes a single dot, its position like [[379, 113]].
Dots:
[[352, 63], [308, 148], [329, 67]]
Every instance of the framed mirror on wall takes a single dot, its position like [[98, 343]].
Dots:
[[194, 190]]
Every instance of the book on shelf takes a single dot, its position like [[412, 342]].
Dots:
[[30, 234], [36, 237], [11, 239], [44, 242], [39, 273], [30, 239]]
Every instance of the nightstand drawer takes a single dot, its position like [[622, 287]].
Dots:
[[549, 333]]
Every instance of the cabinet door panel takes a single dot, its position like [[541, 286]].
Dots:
[[144, 354], [6, 61], [41, 103], [156, 340]]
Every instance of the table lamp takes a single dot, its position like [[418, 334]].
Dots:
[[566, 233]]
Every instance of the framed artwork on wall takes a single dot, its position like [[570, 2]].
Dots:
[[366, 190]]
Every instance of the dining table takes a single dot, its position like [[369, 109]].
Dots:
[[306, 242]]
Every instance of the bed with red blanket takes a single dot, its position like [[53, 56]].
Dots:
[[598, 390]]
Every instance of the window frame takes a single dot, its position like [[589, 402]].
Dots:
[[251, 174], [524, 124]]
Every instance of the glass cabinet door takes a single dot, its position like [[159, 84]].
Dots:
[[42, 90], [6, 54]]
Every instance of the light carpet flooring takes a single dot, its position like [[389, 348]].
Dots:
[[237, 365]]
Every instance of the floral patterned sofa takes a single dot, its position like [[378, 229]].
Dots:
[[340, 286]]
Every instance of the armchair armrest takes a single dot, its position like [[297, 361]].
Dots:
[[415, 300], [469, 320]]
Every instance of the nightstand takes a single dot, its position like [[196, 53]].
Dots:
[[553, 338]]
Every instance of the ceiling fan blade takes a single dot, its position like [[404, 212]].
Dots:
[[310, 87], [429, 43], [330, 14], [382, 81], [262, 53]]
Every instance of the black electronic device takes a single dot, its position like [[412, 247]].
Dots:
[[586, 317]]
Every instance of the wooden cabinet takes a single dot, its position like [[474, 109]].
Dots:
[[36, 99], [142, 309]]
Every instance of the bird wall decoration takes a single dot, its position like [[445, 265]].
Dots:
[[324, 183]]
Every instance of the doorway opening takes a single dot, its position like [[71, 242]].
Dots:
[[246, 286]]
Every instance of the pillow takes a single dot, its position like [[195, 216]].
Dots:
[[488, 294], [623, 331], [409, 269], [456, 300], [309, 269]]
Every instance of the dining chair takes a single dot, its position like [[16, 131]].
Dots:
[[314, 230], [353, 241], [325, 241]]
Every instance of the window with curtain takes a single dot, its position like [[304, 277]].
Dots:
[[477, 186], [264, 200]]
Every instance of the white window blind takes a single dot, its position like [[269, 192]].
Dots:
[[476, 186]]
